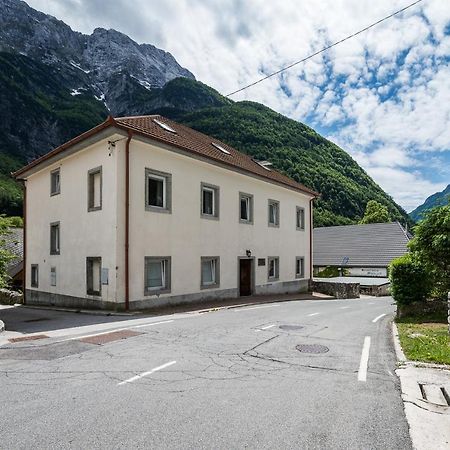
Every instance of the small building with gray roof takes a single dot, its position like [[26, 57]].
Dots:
[[359, 250]]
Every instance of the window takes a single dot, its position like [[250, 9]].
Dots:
[[209, 201], [210, 271], [274, 213], [93, 275], [34, 275], [95, 189], [157, 274], [273, 268], [245, 208], [299, 267], [300, 218], [54, 238], [55, 182], [164, 126], [53, 276], [219, 147], [158, 191], [261, 261]]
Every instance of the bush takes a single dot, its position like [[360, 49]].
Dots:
[[410, 281]]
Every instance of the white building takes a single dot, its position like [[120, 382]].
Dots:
[[141, 212]]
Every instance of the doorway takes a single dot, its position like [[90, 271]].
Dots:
[[245, 276]]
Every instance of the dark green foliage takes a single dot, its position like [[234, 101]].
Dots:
[[410, 281], [375, 213], [438, 199], [431, 246]]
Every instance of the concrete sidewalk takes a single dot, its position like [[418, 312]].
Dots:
[[426, 397]]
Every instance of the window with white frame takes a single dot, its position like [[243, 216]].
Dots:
[[52, 276], [299, 267], [93, 275], [245, 208], [95, 189], [274, 213], [55, 182], [158, 190], [210, 271], [34, 275], [209, 201], [54, 238], [273, 269], [157, 274], [300, 218]]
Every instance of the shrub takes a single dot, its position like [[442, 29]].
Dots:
[[410, 281]]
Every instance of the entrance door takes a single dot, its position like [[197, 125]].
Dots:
[[245, 277]]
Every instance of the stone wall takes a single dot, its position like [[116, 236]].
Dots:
[[337, 290], [8, 297]]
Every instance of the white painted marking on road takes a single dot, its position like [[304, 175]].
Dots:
[[138, 377], [151, 324], [371, 303], [94, 334], [313, 314], [362, 372], [254, 307], [344, 307], [265, 328], [377, 318]]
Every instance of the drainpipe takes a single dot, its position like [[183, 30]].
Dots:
[[24, 241], [127, 219], [311, 240]]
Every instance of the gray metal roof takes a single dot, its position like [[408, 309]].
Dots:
[[370, 245], [14, 244]]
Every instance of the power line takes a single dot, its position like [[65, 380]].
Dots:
[[325, 48]]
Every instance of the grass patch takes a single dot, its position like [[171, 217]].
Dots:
[[425, 338]]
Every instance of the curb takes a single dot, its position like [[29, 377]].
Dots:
[[2, 326], [397, 346], [79, 311]]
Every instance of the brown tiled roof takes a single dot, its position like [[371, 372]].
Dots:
[[200, 144], [184, 138]]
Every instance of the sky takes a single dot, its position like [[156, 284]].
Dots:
[[383, 96]]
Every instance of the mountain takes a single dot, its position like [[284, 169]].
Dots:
[[56, 83], [437, 199]]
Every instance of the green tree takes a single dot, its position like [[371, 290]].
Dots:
[[375, 213], [5, 255], [431, 245]]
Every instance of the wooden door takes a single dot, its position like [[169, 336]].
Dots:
[[245, 277]]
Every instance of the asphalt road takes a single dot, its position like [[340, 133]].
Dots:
[[227, 379]]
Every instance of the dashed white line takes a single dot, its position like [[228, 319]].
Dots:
[[313, 314], [254, 307], [265, 328], [344, 307], [138, 377], [362, 372], [151, 324], [378, 318]]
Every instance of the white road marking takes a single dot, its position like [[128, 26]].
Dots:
[[151, 324], [362, 372], [254, 307], [265, 328], [371, 303], [377, 318], [313, 314], [344, 307], [94, 334], [137, 377]]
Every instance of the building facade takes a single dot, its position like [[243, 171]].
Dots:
[[142, 212]]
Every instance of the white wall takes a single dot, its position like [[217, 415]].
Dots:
[[82, 233], [185, 236]]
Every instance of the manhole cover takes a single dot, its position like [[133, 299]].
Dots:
[[290, 327], [312, 348]]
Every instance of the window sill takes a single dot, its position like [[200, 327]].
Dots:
[[270, 280], [209, 286], [300, 229], [94, 294], [299, 277], [209, 216], [52, 194], [95, 208], [274, 225], [151, 292], [54, 253], [246, 222], [158, 210]]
